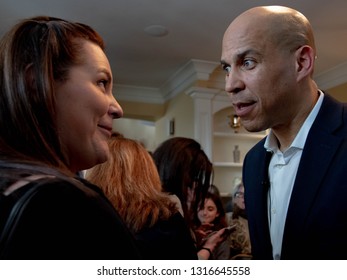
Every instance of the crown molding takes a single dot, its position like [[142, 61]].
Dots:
[[194, 70], [191, 72], [333, 77], [200, 70], [202, 93], [138, 94]]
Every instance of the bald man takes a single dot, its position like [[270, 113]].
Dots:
[[296, 178]]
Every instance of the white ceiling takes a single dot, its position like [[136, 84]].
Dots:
[[195, 30]]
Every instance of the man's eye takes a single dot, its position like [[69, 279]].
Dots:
[[248, 64], [227, 68]]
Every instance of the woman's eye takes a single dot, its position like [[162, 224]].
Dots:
[[103, 83]]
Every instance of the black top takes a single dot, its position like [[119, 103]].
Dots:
[[167, 240], [66, 220]]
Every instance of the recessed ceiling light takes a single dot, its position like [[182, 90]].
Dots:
[[156, 30]]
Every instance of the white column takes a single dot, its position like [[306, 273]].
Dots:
[[203, 116]]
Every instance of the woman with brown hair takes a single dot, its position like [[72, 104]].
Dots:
[[209, 218], [56, 114], [186, 172]]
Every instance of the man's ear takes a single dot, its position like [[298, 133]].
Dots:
[[305, 57]]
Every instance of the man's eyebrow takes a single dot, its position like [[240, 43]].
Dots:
[[247, 52], [240, 56], [237, 57], [222, 62]]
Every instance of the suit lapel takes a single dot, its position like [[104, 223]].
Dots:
[[257, 201]]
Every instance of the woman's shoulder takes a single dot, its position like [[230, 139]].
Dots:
[[73, 218], [48, 183], [172, 229], [172, 225], [174, 198], [57, 195], [167, 239], [51, 185]]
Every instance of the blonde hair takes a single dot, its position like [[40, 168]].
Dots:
[[131, 182]]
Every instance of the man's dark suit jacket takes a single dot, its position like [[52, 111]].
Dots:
[[316, 223]]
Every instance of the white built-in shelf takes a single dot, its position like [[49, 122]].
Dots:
[[240, 135], [225, 194], [228, 164]]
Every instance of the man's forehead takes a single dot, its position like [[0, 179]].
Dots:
[[239, 44]]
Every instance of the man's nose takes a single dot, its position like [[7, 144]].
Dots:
[[233, 83]]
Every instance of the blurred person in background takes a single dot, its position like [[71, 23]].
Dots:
[[131, 181], [186, 172]]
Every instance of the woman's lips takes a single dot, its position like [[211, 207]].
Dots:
[[106, 130]]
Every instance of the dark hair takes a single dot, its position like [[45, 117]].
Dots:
[[181, 162], [220, 221], [214, 189], [34, 55]]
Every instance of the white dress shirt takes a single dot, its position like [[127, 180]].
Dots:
[[282, 172]]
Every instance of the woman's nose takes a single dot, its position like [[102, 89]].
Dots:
[[115, 110]]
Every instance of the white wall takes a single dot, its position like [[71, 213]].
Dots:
[[181, 110], [151, 134], [143, 131]]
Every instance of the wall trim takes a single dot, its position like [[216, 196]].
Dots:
[[200, 70], [333, 77], [191, 72], [138, 94]]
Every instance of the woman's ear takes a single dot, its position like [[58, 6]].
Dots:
[[305, 57]]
